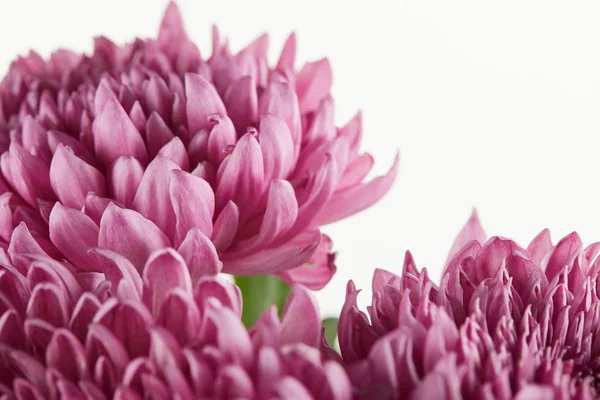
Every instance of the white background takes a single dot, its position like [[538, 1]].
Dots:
[[492, 104]]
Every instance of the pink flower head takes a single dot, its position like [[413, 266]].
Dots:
[[69, 334], [136, 148], [505, 323]]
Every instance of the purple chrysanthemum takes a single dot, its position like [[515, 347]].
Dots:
[[67, 334], [505, 323], [146, 146]]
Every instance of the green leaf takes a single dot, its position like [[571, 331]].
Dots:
[[259, 292], [331, 325]]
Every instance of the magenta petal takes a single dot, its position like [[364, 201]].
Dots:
[[102, 342], [280, 100], [6, 224], [226, 226], [288, 54], [540, 246], [307, 329], [116, 136], [22, 243], [56, 138], [125, 177], [351, 201], [66, 354], [27, 174], [175, 151], [292, 389], [313, 83], [26, 391], [117, 268], [275, 259], [241, 100], [228, 295], [152, 198], [202, 102], [242, 177], [277, 147], [83, 314], [280, 214], [164, 271], [126, 232], [11, 330], [221, 137], [199, 254], [158, 134], [355, 172], [180, 315], [49, 304], [94, 206], [471, 231], [82, 178], [74, 233], [193, 204], [317, 272]]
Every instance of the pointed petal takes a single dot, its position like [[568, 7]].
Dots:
[[200, 255], [313, 83], [127, 233], [158, 134], [125, 177], [471, 231], [116, 136], [22, 243], [307, 329], [74, 233], [356, 199], [228, 294], [279, 100], [176, 152], [221, 137], [288, 54], [242, 179], [277, 147], [275, 259], [164, 271], [72, 178], [315, 273], [280, 215], [226, 226], [152, 198], [193, 203], [202, 102], [66, 354], [241, 100]]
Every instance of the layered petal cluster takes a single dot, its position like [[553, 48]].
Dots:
[[68, 334], [131, 149], [505, 323]]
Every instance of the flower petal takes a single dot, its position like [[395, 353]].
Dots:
[[307, 329], [152, 198], [72, 178], [126, 232], [74, 233], [125, 178], [313, 83], [193, 203], [202, 102], [164, 271], [241, 100], [200, 255], [351, 201], [116, 136]]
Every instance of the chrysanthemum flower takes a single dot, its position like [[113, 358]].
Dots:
[[505, 323], [68, 334], [146, 146]]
